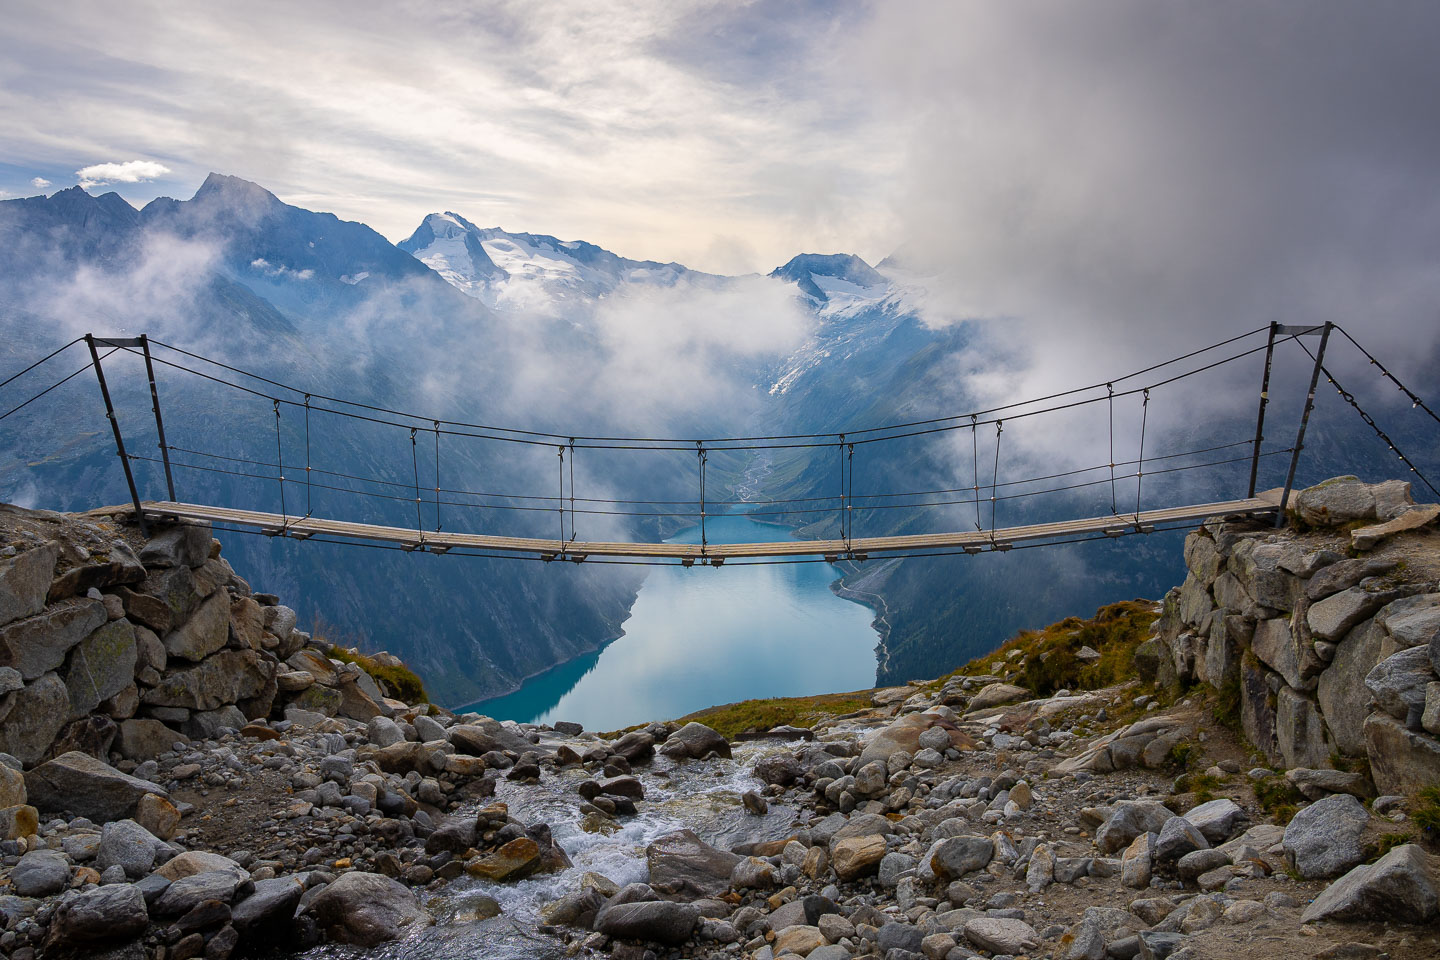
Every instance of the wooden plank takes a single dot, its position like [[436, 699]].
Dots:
[[969, 541]]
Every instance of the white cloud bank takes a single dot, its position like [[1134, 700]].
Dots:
[[39, 183], [131, 171]]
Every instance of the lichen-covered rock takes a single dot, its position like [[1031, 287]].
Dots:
[[100, 666], [1344, 710], [38, 644], [223, 678], [25, 580], [365, 909], [1398, 683], [1326, 838], [32, 718], [87, 787], [1402, 761], [1337, 501]]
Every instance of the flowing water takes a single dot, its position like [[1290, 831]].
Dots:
[[701, 795], [700, 636]]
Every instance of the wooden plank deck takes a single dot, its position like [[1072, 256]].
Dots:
[[715, 553]]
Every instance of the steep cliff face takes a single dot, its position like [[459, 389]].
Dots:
[[114, 642], [1325, 636]]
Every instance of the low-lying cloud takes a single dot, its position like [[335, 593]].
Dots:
[[131, 171]]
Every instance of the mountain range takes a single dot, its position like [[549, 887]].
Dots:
[[482, 325]]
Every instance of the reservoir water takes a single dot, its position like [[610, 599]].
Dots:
[[701, 636]]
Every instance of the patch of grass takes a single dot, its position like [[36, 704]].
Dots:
[[1049, 660], [1425, 811], [1226, 710], [732, 719], [1202, 785], [399, 682], [1388, 842], [1182, 754], [1360, 765], [1278, 798]]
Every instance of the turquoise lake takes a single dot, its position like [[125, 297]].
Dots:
[[702, 636]]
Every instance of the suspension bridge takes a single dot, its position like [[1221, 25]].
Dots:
[[296, 480]]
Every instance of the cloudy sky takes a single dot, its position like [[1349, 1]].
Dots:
[[1114, 161]]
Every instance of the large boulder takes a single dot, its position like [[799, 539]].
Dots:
[[144, 739], [1327, 838], [1217, 820], [87, 787], [185, 544], [108, 565], [479, 737], [25, 580], [1403, 886], [1276, 646], [40, 873], [904, 734], [31, 718], [267, 913], [656, 921], [1397, 685], [1130, 819], [206, 630], [38, 644], [999, 935], [695, 740], [366, 909], [126, 844], [953, 857], [1337, 501], [100, 666], [1333, 617], [1402, 761], [98, 916], [222, 679], [854, 857], [1345, 710], [995, 694], [681, 864], [516, 860], [1300, 730], [194, 862]]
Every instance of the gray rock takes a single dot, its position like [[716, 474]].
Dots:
[[207, 724], [221, 679], [1137, 863], [1401, 761], [267, 912], [1217, 820], [186, 893], [185, 544], [427, 729], [952, 858], [1430, 719], [1337, 501], [656, 921], [682, 863], [1343, 575], [1276, 647], [40, 873], [1300, 730], [87, 787], [1316, 783], [892, 865], [484, 735], [1002, 936], [384, 732], [1177, 838], [99, 915], [203, 633], [25, 580], [1400, 886], [35, 717], [1099, 926], [1193, 865], [145, 739], [871, 778], [1332, 618], [900, 936], [100, 666], [1326, 838], [695, 740], [1344, 711], [126, 844], [1398, 684], [1130, 819], [38, 644]]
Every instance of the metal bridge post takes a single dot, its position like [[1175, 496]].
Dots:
[[1264, 402], [1304, 420], [119, 440], [159, 423]]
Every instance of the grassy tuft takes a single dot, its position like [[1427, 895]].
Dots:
[[396, 681], [1425, 810], [1278, 798], [732, 719]]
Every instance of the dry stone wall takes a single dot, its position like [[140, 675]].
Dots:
[[110, 643], [1327, 633]]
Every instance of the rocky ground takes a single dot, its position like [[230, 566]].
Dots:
[[957, 818]]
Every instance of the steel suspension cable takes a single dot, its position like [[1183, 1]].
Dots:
[[1140, 468], [1415, 400], [1349, 398], [49, 356], [59, 383]]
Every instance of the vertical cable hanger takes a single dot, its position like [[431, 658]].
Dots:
[[308, 508], [840, 449], [1114, 503], [437, 475], [561, 510], [280, 470], [850, 493], [415, 463], [572, 490], [975, 462], [702, 459], [995, 478], [1140, 464]]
